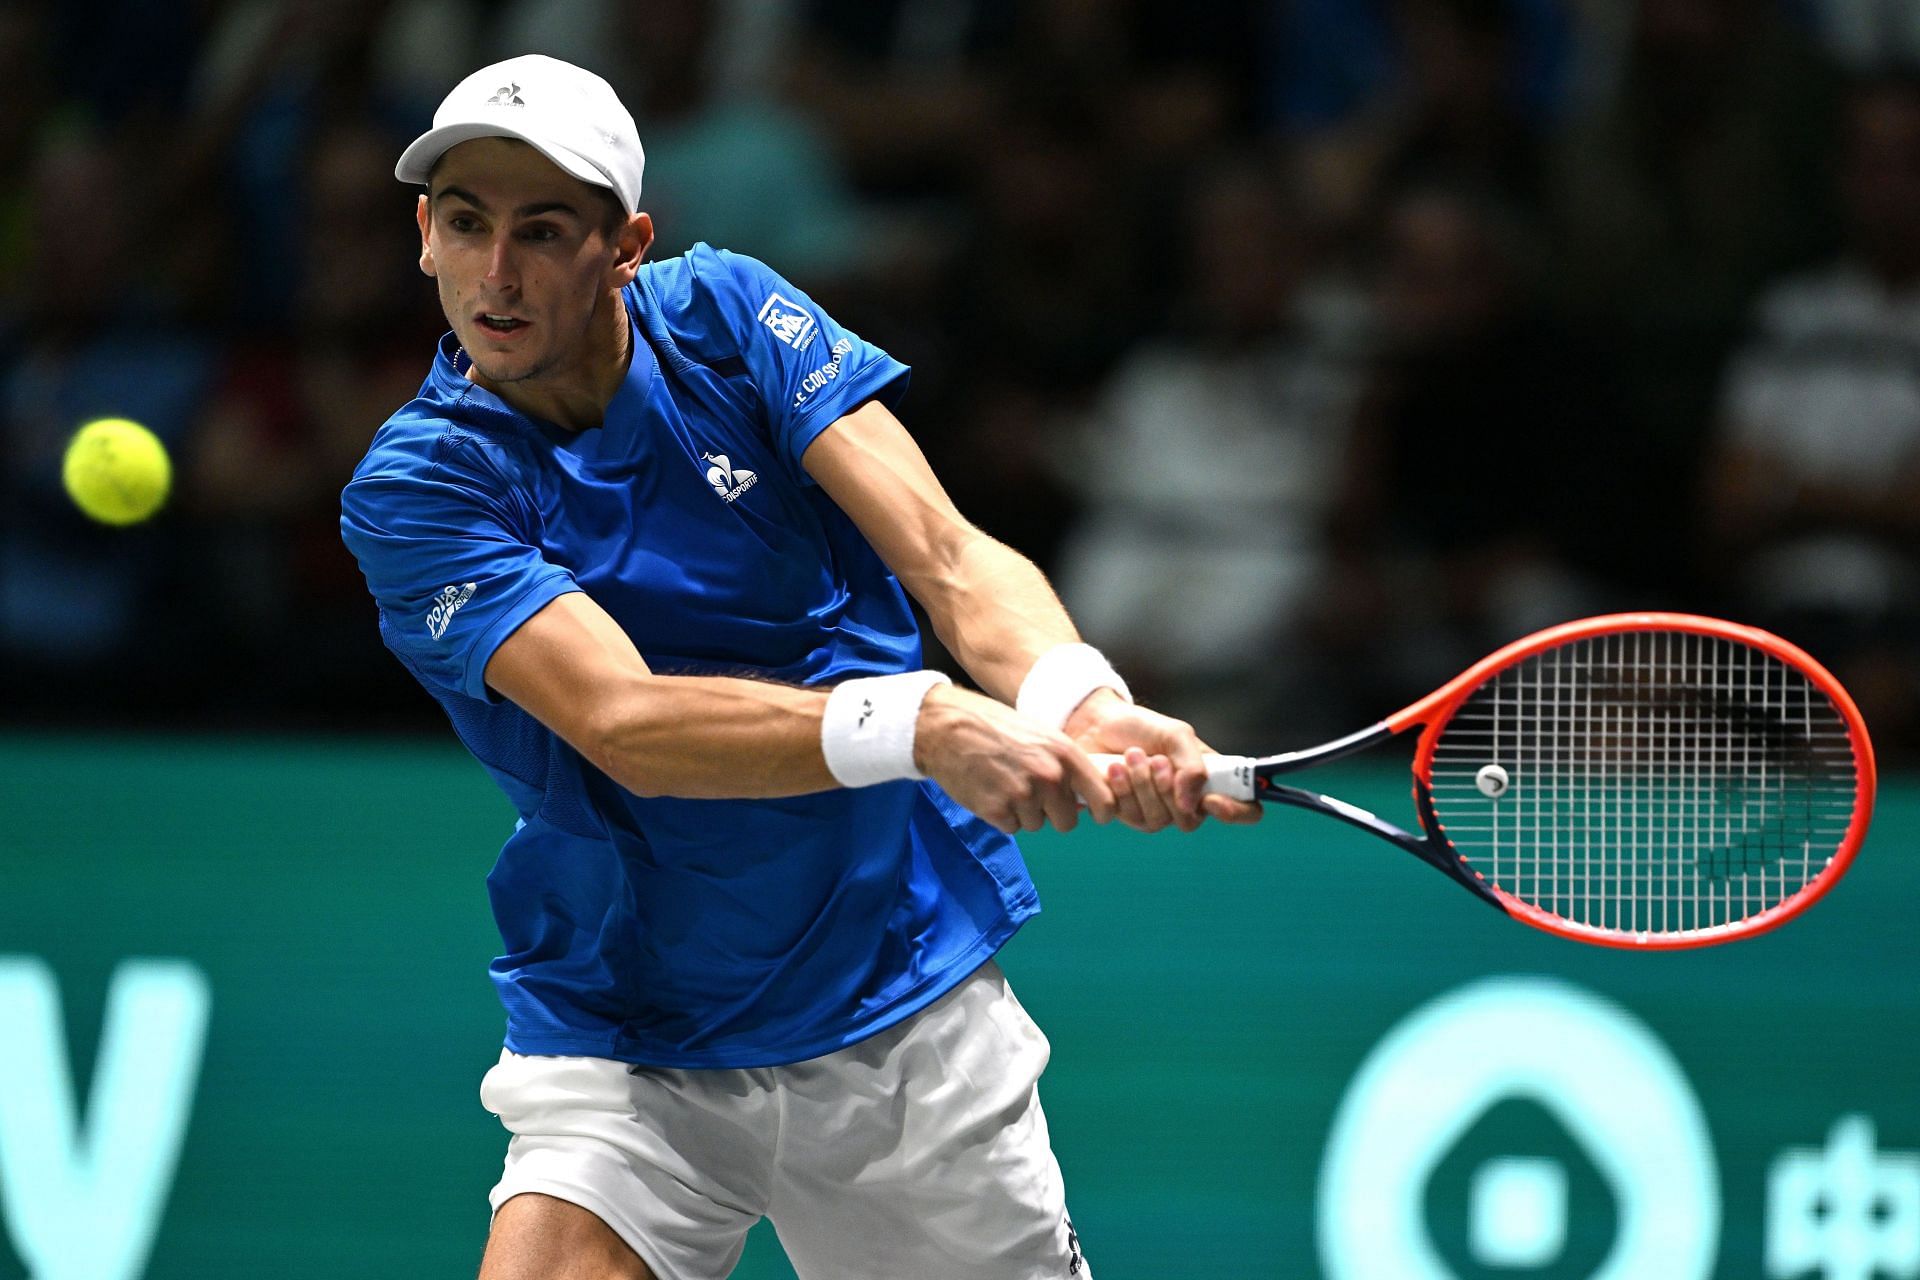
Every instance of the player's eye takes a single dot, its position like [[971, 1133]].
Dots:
[[463, 224], [541, 233]]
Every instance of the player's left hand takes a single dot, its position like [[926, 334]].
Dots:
[[1162, 780]]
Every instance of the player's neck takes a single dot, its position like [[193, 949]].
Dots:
[[574, 396]]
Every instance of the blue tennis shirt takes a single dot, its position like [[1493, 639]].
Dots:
[[674, 932]]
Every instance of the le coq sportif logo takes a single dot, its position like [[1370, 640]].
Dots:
[[727, 480]]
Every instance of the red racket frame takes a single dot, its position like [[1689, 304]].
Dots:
[[1437, 708]]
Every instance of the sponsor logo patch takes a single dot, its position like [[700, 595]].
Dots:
[[447, 604], [790, 322]]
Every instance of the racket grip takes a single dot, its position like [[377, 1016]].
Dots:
[[1230, 776]]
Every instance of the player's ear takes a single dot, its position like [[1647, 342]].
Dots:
[[425, 219], [634, 238]]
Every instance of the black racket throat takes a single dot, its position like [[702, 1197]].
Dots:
[[1429, 848], [1267, 768]]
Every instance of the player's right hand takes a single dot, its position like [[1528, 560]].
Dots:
[[1014, 772]]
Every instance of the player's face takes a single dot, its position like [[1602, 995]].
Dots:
[[524, 259]]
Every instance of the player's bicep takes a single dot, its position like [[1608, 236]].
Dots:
[[875, 472], [567, 666]]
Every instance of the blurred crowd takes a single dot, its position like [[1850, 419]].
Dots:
[[1315, 347]]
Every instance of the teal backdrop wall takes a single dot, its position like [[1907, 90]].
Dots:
[[1286, 1052]]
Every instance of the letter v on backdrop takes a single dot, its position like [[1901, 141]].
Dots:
[[82, 1201]]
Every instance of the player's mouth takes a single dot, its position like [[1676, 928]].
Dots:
[[500, 324]]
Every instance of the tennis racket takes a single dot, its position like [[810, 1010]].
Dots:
[[1642, 780]]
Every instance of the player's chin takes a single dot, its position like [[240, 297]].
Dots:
[[503, 366]]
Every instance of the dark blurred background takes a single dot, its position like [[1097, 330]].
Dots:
[[1315, 347]]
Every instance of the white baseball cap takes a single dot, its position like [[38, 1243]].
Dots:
[[570, 115]]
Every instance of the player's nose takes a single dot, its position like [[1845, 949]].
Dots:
[[502, 270]]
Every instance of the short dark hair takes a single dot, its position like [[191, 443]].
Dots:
[[613, 214]]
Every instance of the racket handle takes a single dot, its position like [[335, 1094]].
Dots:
[[1230, 776]]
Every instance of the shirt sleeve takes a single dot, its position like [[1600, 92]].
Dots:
[[810, 371], [445, 553]]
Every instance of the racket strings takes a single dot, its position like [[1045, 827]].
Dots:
[[1647, 782]]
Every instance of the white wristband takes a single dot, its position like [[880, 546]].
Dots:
[[1061, 681], [867, 731]]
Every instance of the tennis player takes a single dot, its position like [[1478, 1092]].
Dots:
[[644, 534]]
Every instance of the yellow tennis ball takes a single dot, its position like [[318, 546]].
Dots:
[[117, 471]]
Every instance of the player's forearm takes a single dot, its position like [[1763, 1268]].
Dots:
[[711, 737], [995, 612]]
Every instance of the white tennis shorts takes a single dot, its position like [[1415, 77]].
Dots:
[[920, 1153]]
